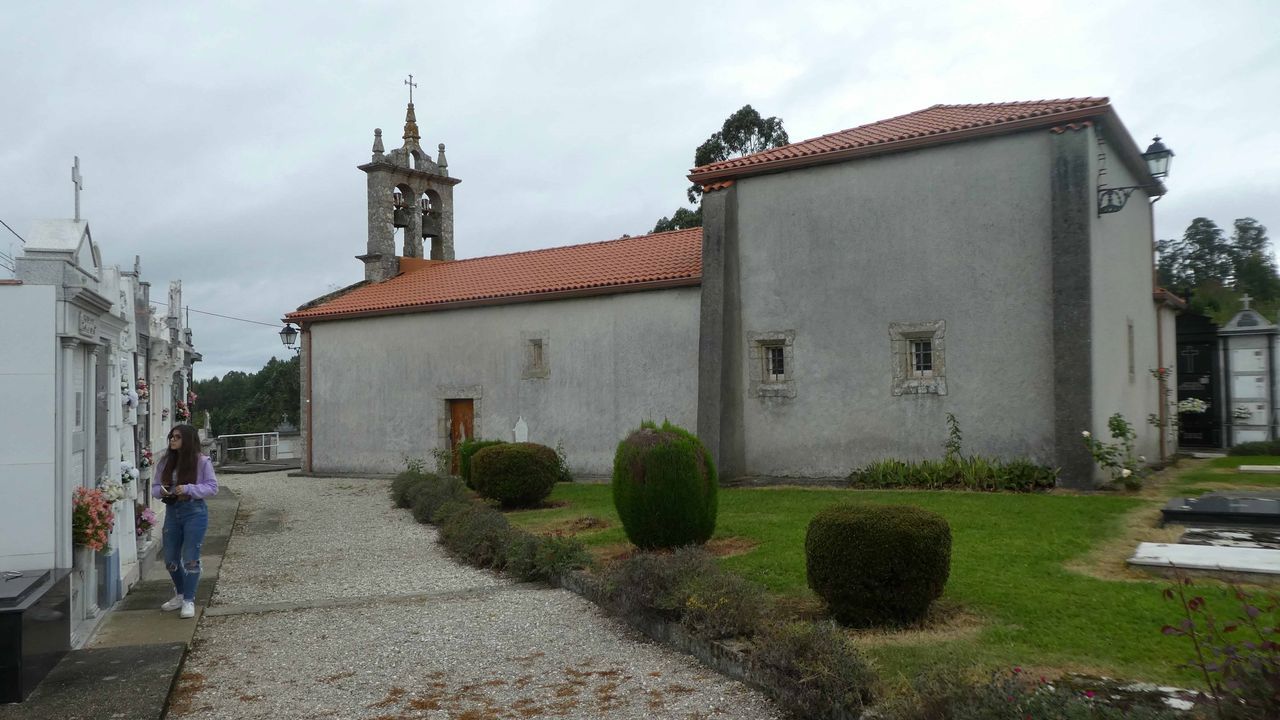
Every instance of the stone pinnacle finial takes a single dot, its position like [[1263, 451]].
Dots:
[[411, 136], [440, 160], [377, 142]]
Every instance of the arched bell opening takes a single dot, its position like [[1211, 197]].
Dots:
[[430, 206], [402, 201]]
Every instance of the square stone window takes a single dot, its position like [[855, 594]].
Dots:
[[919, 357], [537, 355], [770, 357]]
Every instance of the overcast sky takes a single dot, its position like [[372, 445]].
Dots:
[[220, 142]]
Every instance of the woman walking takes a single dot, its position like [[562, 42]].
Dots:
[[183, 479]]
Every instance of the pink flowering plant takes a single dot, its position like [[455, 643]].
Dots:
[[182, 412], [144, 459], [91, 518], [143, 391], [144, 519]]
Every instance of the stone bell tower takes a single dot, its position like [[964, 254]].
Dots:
[[408, 191]]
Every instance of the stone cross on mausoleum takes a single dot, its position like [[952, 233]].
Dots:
[[78, 181]]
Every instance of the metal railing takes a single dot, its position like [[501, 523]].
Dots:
[[248, 447]]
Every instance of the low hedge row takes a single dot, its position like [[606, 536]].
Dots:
[[959, 473], [479, 535]]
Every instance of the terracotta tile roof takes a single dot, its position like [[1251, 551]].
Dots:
[[1162, 295], [933, 125], [668, 259]]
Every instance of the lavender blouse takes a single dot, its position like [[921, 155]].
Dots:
[[206, 485]]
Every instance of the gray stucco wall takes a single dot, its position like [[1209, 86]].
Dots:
[[1121, 260], [380, 384], [957, 233]]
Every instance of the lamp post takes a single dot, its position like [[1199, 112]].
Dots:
[[1157, 156], [288, 336]]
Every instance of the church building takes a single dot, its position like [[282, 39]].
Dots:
[[992, 261]]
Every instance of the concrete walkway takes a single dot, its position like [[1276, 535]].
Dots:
[[128, 667], [333, 604]]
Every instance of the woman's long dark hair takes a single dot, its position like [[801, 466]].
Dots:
[[185, 459]]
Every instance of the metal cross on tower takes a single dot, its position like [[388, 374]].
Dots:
[[411, 85], [78, 182]]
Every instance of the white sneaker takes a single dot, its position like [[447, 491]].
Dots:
[[188, 610], [172, 603]]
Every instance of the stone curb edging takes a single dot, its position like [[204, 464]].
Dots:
[[731, 663]]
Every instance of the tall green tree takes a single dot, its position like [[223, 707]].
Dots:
[[745, 132], [1216, 272], [241, 402]]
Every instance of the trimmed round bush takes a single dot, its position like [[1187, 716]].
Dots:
[[878, 564], [515, 474], [467, 450], [664, 487]]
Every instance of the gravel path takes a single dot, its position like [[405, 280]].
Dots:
[[380, 625]]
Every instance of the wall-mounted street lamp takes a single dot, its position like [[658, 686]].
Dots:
[[288, 335], [1111, 200]]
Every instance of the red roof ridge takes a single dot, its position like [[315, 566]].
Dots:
[[936, 123], [536, 251]]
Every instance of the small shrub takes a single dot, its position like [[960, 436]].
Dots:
[[957, 473], [1239, 659], [432, 492], [1011, 695], [466, 450], [449, 508], [403, 486], [817, 669], [1117, 457], [530, 557], [1261, 447], [563, 474], [878, 564], [514, 474], [664, 487], [688, 585], [478, 535]]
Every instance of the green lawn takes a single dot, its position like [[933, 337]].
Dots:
[[1008, 555], [1220, 472]]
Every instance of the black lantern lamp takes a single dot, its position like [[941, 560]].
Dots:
[[288, 335], [1158, 157], [1112, 200]]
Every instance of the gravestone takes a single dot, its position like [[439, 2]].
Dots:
[[1225, 509]]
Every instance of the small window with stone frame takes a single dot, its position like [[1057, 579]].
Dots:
[[770, 354], [537, 355], [919, 365]]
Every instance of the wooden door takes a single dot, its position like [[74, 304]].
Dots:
[[461, 427]]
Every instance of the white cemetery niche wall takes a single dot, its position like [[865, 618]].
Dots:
[[28, 451], [1249, 377], [1250, 389]]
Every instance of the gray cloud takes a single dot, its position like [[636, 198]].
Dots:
[[220, 142]]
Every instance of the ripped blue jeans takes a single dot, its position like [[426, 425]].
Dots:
[[185, 524]]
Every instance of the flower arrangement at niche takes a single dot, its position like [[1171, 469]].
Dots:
[[1192, 405], [144, 519], [128, 473], [91, 518], [1241, 412], [143, 391], [181, 412], [112, 492], [144, 458], [164, 414], [191, 398]]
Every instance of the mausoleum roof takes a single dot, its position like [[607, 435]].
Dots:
[[56, 235], [931, 126], [646, 262]]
